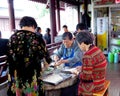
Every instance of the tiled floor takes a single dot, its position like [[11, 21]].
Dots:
[[113, 74], [3, 90]]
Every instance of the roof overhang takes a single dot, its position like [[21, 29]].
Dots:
[[73, 2], [40, 1]]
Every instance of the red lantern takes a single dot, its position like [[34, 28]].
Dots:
[[117, 1]]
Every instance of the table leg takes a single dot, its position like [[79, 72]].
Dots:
[[53, 92]]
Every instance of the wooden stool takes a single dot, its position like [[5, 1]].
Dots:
[[103, 92]]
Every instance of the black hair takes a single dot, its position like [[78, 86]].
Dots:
[[64, 26], [28, 21], [84, 37], [37, 29], [67, 34], [80, 26], [47, 30], [75, 33], [0, 34]]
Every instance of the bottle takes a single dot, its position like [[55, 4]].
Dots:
[[116, 57], [110, 57]]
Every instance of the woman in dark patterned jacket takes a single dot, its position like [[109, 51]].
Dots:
[[26, 50]]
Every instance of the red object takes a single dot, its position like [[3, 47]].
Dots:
[[117, 1], [18, 93], [106, 2], [92, 76]]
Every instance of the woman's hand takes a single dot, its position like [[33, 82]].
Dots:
[[58, 62], [79, 68], [56, 58], [46, 65], [76, 72]]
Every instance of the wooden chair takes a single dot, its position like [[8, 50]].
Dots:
[[3, 71], [103, 92]]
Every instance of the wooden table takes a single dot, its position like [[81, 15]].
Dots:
[[55, 90]]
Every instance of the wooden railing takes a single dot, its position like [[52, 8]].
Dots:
[[53, 44], [3, 71], [51, 47]]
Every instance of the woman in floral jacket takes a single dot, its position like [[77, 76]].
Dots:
[[26, 50]]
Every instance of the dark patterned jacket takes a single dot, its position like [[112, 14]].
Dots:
[[26, 50]]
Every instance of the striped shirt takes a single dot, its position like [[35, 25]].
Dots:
[[92, 76]]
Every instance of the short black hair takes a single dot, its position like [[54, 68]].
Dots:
[[47, 30], [67, 34], [84, 37], [28, 21], [80, 26], [37, 29], [64, 26], [0, 34]]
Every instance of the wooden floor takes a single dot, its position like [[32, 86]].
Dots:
[[113, 74]]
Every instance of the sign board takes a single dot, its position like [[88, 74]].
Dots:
[[102, 32], [104, 2]]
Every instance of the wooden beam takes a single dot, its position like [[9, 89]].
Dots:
[[78, 10], [73, 2], [53, 20], [58, 16], [40, 1], [11, 15]]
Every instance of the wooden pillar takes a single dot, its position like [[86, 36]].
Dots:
[[58, 16], [53, 20], [86, 6], [11, 15], [78, 13]]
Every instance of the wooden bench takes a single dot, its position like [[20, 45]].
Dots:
[[3, 75], [52, 47], [53, 44], [103, 92]]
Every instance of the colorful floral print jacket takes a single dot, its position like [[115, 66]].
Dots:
[[26, 50]]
